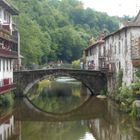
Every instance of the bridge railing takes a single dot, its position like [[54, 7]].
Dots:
[[65, 66]]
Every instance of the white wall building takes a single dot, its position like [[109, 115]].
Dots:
[[120, 52], [8, 46]]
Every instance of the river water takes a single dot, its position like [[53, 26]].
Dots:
[[63, 109]]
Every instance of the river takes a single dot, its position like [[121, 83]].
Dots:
[[63, 109]]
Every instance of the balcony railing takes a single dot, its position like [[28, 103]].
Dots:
[[7, 88], [8, 53], [5, 33]]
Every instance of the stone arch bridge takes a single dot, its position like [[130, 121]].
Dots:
[[94, 80]]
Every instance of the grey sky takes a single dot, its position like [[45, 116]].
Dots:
[[114, 7]]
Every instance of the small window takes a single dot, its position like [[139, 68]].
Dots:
[[3, 65], [119, 65], [7, 64], [0, 136], [0, 64], [0, 13], [5, 15]]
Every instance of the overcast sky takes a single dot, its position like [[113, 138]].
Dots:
[[114, 7]]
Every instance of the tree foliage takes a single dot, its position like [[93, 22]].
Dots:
[[58, 30]]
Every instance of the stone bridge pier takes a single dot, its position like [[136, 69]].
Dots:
[[94, 80]]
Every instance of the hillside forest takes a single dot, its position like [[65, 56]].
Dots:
[[53, 30]]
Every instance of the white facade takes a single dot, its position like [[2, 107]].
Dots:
[[8, 46], [6, 71]]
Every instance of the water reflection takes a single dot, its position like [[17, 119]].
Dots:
[[107, 124], [6, 127], [115, 126], [58, 96], [88, 136], [93, 119]]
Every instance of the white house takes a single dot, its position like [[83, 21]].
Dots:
[[8, 46]]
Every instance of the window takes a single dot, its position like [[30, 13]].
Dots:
[[5, 15], [0, 136], [11, 65], [3, 65], [1, 43], [119, 47], [0, 64], [119, 65], [0, 13], [90, 52], [7, 65]]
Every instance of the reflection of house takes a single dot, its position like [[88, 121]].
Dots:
[[6, 128], [113, 126], [8, 46], [119, 52]]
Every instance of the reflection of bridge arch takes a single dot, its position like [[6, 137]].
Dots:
[[89, 109], [94, 80]]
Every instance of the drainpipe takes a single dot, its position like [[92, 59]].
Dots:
[[19, 57]]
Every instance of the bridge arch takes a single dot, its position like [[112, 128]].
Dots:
[[94, 80], [31, 84]]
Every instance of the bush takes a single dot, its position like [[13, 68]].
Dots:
[[7, 99], [76, 64], [138, 73]]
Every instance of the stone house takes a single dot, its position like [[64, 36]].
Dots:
[[93, 53], [119, 51]]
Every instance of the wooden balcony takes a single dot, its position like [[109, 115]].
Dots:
[[136, 62], [8, 54], [5, 33], [108, 69], [7, 88]]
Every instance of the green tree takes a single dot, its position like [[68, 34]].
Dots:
[[54, 29]]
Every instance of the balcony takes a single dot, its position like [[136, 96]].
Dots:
[[136, 62], [8, 54], [109, 69], [7, 88], [5, 33]]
